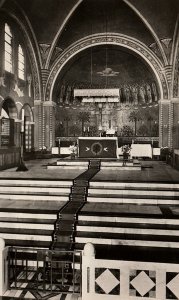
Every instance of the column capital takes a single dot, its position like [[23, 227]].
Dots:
[[37, 102], [49, 103], [164, 101]]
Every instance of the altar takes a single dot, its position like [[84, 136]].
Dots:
[[97, 147]]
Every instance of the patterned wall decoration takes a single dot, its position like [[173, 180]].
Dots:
[[44, 50], [142, 283], [172, 285], [129, 279], [176, 77], [107, 281], [115, 39]]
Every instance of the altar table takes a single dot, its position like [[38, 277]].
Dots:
[[97, 147]]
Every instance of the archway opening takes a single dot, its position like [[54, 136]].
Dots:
[[105, 67], [8, 116]]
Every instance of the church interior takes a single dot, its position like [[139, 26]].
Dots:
[[89, 149]]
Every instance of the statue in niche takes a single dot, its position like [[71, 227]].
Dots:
[[127, 93], [134, 92], [154, 91], [62, 93], [141, 94], [130, 96], [123, 96], [149, 93], [68, 95]]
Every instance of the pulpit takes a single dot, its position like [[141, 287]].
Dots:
[[97, 147]]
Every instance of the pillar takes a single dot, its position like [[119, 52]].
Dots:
[[175, 131], [165, 123], [49, 123], [38, 129], [17, 129]]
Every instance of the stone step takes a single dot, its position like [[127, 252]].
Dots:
[[134, 192], [24, 225], [133, 225], [131, 220], [35, 182], [117, 230], [127, 242], [66, 167], [134, 185], [34, 190], [72, 163], [126, 200], [27, 215], [122, 168], [25, 237], [38, 244], [34, 197]]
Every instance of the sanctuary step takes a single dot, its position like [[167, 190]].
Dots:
[[29, 208], [68, 164], [104, 164], [133, 193], [131, 221]]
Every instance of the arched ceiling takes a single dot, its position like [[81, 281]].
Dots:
[[47, 16], [98, 16]]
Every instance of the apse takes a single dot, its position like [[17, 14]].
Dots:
[[126, 98]]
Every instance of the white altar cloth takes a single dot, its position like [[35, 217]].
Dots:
[[141, 150]]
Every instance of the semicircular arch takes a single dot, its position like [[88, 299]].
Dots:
[[112, 39]]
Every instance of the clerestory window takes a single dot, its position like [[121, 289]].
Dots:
[[8, 52], [21, 63]]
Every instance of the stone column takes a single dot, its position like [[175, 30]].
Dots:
[[17, 129], [49, 124], [175, 127], [38, 129], [165, 123]]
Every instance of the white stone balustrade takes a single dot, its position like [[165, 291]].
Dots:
[[124, 280], [3, 267]]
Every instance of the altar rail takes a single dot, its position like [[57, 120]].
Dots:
[[124, 280], [9, 157]]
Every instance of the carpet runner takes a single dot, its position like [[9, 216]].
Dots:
[[63, 237]]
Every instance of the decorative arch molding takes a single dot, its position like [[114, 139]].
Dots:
[[147, 24], [11, 105], [28, 109], [175, 61], [53, 45], [112, 39], [17, 14], [136, 11]]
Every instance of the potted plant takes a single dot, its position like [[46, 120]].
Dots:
[[73, 150]]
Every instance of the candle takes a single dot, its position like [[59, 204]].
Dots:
[[84, 128], [88, 128], [22, 121]]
